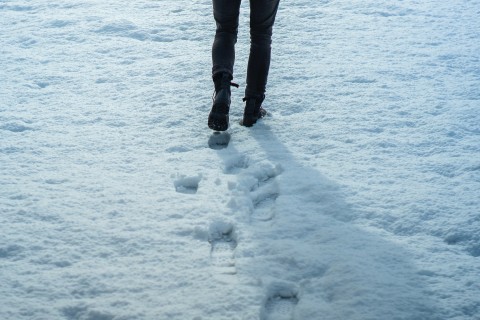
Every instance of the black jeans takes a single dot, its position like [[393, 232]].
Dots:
[[262, 17]]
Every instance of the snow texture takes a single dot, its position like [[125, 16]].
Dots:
[[356, 198]]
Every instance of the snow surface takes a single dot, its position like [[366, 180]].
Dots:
[[357, 198]]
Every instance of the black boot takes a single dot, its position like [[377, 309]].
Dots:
[[253, 110], [218, 117]]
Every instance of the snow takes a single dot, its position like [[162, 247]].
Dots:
[[356, 198]]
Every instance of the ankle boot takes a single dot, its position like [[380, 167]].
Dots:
[[218, 117], [253, 110]]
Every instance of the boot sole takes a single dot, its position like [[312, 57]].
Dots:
[[218, 121]]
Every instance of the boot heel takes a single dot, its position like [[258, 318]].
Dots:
[[218, 121]]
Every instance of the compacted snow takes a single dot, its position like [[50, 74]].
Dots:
[[356, 198]]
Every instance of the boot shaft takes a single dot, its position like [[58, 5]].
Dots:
[[222, 98], [222, 81]]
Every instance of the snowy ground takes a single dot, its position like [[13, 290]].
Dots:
[[358, 198]]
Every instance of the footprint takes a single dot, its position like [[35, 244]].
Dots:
[[219, 140], [263, 201], [264, 175], [264, 193], [187, 185], [280, 308], [280, 303], [235, 164], [223, 244]]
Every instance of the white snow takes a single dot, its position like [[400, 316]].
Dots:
[[357, 198]]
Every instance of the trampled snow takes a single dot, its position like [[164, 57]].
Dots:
[[356, 198]]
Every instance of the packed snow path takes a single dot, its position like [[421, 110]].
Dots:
[[357, 198]]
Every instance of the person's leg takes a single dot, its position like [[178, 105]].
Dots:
[[262, 17], [226, 14]]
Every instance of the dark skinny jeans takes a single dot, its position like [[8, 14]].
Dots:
[[262, 17]]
